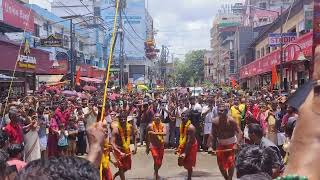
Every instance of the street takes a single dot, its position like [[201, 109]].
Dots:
[[142, 167]]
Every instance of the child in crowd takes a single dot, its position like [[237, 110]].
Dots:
[[63, 140]]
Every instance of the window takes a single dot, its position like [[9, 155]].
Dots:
[[258, 54], [209, 71], [267, 49], [36, 30], [262, 52], [231, 55]]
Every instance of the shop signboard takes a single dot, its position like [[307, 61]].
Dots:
[[265, 63], [51, 41], [17, 15], [276, 39], [308, 16], [25, 60]]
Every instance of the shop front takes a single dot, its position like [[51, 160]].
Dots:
[[295, 72], [23, 65]]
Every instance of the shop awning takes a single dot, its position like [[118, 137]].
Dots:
[[49, 79], [93, 80]]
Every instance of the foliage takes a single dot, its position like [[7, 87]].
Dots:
[[190, 71]]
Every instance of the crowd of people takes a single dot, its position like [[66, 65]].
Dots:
[[249, 132]]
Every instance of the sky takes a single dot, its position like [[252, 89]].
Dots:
[[184, 25]]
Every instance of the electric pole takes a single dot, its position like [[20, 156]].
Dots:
[[71, 60], [121, 34]]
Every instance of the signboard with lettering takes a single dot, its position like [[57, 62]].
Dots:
[[308, 16], [25, 60], [51, 41], [276, 40], [17, 15]]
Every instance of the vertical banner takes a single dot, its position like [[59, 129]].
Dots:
[[316, 33]]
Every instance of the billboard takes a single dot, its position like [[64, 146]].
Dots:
[[17, 15], [135, 28], [275, 39]]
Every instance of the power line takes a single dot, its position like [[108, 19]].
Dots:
[[139, 50], [125, 15], [85, 6], [127, 32]]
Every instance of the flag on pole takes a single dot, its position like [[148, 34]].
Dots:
[[78, 76], [274, 76]]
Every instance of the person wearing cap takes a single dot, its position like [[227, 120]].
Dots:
[[155, 143]]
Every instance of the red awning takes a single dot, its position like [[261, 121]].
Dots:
[[93, 80], [264, 64]]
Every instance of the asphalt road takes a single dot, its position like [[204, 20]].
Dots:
[[142, 167]]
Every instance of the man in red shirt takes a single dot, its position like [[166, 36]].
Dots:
[[14, 129]]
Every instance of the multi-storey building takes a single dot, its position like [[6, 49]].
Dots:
[[137, 29], [223, 42], [263, 12], [293, 70], [208, 66]]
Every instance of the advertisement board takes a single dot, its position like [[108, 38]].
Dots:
[[17, 15], [275, 39], [264, 64]]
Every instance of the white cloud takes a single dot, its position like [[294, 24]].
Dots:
[[184, 25]]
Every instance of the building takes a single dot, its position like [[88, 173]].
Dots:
[[89, 29], [262, 12], [208, 66], [19, 58], [295, 71], [223, 42], [137, 29]]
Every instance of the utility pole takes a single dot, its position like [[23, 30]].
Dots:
[[71, 60], [281, 51], [121, 33]]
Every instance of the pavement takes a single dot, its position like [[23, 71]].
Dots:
[[142, 167]]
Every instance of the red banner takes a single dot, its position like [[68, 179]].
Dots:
[[17, 15], [265, 63]]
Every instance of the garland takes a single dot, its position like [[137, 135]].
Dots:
[[105, 159], [183, 136], [125, 136], [158, 129]]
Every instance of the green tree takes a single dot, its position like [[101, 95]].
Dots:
[[191, 69]]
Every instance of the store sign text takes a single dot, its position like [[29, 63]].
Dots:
[[28, 62]]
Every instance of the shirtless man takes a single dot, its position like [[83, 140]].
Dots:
[[120, 142], [188, 145], [228, 133], [155, 143]]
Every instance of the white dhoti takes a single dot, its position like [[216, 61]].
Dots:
[[32, 146]]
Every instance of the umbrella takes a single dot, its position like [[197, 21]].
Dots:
[[69, 93], [143, 87], [298, 98], [82, 96], [114, 96], [89, 88]]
